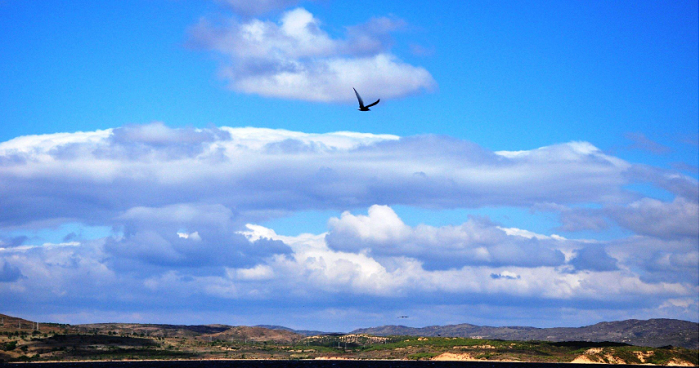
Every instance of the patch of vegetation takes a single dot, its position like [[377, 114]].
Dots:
[[423, 356], [664, 356], [122, 354], [10, 345], [587, 344]]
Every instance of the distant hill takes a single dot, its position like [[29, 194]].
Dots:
[[16, 324], [653, 332], [153, 330], [300, 332], [201, 332]]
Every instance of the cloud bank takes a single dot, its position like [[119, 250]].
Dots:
[[185, 205]]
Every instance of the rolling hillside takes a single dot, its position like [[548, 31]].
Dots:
[[653, 332]]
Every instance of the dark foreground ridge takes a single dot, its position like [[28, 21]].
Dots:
[[27, 341]]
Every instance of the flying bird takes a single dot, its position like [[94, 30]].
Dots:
[[362, 104]]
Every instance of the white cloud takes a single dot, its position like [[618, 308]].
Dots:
[[259, 272], [183, 204], [193, 236], [380, 225], [315, 274], [476, 242], [9, 272], [46, 142], [335, 271], [296, 59], [663, 219], [658, 259], [256, 170], [400, 274], [151, 236], [593, 258], [529, 234]]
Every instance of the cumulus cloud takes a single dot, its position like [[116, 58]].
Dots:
[[9, 273], [54, 274], [658, 260], [476, 242], [315, 262], [594, 259], [158, 138], [674, 182], [256, 173], [296, 59], [313, 272], [151, 235], [182, 204], [661, 219]]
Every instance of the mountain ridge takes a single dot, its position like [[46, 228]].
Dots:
[[652, 332], [657, 332]]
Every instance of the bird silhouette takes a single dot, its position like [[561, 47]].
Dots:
[[362, 104]]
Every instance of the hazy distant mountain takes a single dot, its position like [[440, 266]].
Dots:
[[653, 332]]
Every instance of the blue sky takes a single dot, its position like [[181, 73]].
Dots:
[[514, 143]]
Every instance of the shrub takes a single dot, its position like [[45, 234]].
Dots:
[[11, 345], [422, 356]]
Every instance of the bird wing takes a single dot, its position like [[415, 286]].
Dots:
[[373, 103], [359, 99]]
